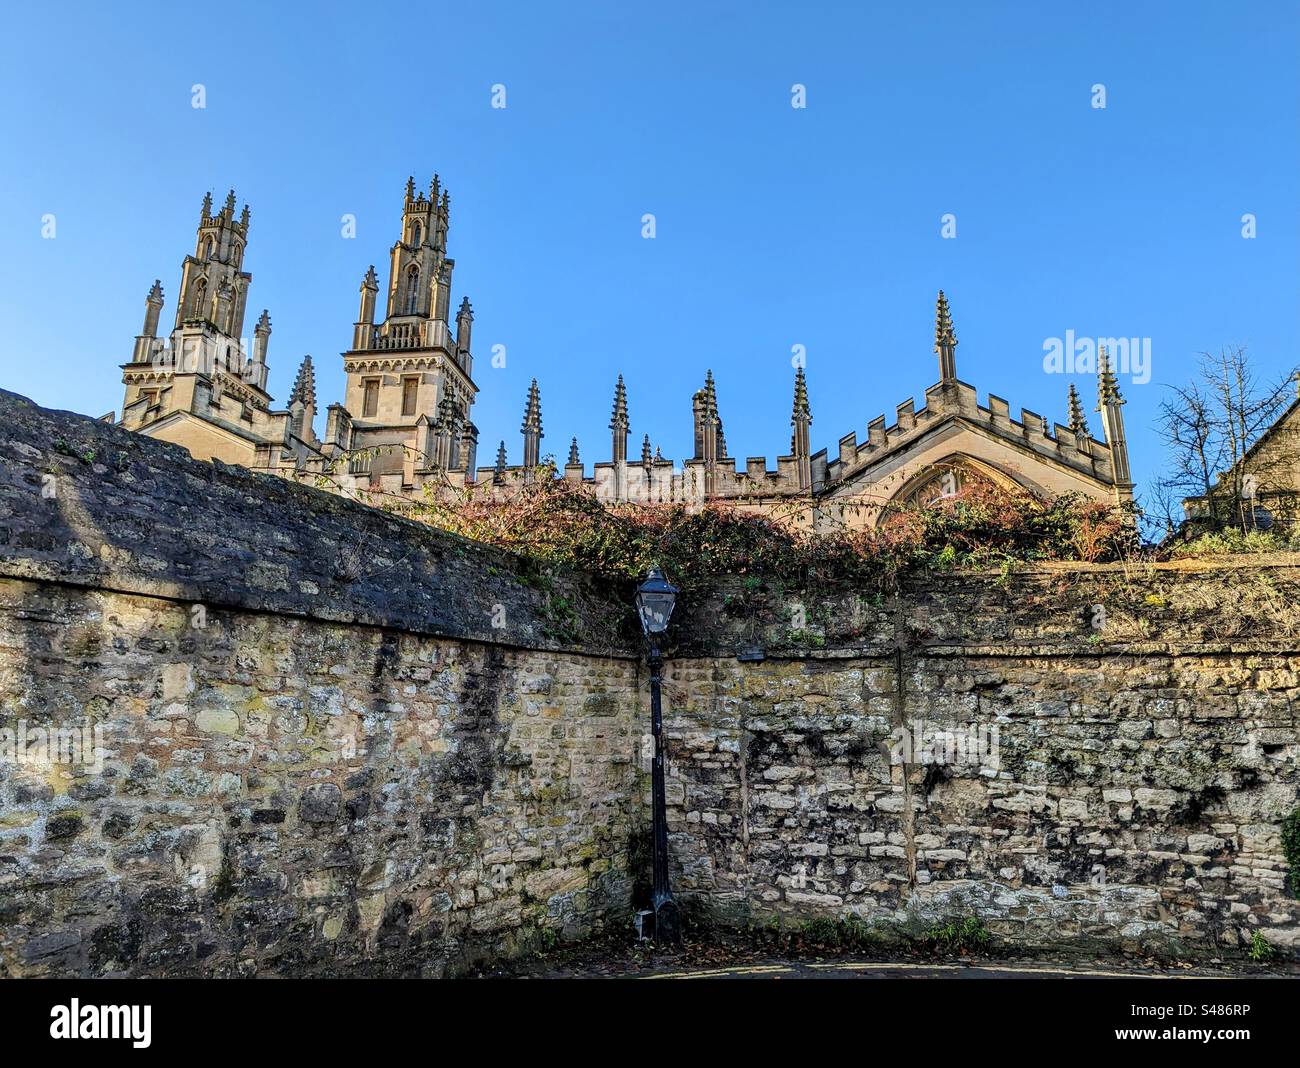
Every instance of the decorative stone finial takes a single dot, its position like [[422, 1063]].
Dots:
[[1107, 385], [618, 420], [1078, 421], [533, 411], [943, 331], [801, 413], [304, 386]]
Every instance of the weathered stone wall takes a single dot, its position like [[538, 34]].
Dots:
[[1143, 765], [334, 741], [330, 741]]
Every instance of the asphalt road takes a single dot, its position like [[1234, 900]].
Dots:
[[895, 970]]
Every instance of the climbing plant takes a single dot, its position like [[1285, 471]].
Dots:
[[551, 520]]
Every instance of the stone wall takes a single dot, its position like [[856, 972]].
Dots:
[[1145, 722], [326, 740]]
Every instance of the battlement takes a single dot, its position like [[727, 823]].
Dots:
[[958, 400]]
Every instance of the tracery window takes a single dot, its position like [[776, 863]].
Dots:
[[412, 290]]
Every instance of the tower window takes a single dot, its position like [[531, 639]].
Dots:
[[198, 311], [416, 234], [370, 405], [410, 388], [412, 290]]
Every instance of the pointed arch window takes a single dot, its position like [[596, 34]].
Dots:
[[412, 290], [207, 249], [197, 310], [416, 234]]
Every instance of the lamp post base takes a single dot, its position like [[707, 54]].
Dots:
[[667, 923]]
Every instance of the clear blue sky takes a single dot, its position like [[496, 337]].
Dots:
[[775, 226]]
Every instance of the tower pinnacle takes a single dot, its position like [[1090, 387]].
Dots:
[[945, 340], [304, 386], [532, 426], [1109, 403], [1078, 422], [618, 425], [1107, 385], [801, 419]]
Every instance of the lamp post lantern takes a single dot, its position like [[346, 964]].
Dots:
[[655, 599]]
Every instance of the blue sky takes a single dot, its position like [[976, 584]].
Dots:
[[775, 226]]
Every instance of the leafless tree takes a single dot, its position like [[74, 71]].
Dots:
[[1208, 426]]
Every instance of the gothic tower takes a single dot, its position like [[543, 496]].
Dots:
[[409, 386], [204, 370]]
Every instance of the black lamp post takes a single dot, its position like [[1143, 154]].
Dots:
[[654, 603]]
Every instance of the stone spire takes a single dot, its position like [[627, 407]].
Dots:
[[229, 209], [152, 308], [945, 341], [573, 452], [646, 458], [1107, 385], [364, 328], [1109, 403], [532, 427], [710, 395], [464, 324], [801, 419], [708, 431], [1079, 421], [145, 341], [261, 336], [304, 386], [302, 400], [205, 212], [618, 422], [499, 472]]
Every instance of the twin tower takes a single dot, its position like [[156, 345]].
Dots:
[[404, 429]]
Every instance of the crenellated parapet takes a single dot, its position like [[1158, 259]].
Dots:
[[946, 403]]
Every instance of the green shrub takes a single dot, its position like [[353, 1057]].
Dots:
[[1291, 848], [848, 932], [953, 937], [1260, 950]]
